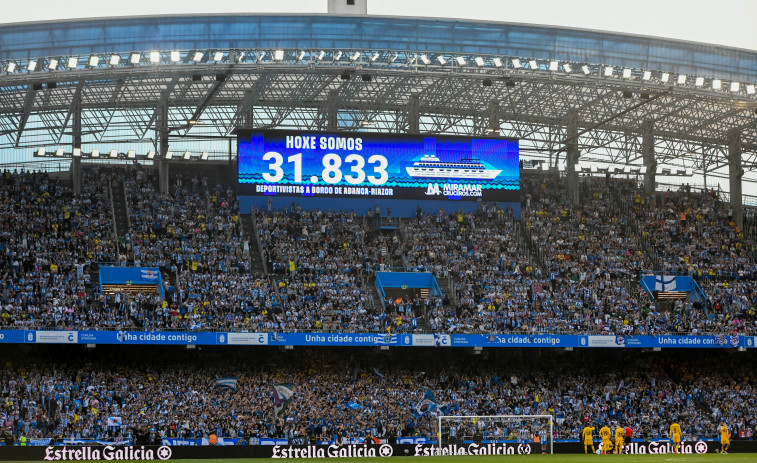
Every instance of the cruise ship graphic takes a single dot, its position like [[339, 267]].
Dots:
[[432, 167]]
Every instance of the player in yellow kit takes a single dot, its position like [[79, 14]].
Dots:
[[725, 437], [620, 431], [606, 434], [587, 435], [675, 436]]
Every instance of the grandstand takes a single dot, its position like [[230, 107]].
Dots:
[[172, 273]]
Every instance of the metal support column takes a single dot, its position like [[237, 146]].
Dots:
[[76, 146], [413, 114], [492, 128], [735, 172], [332, 112], [572, 157], [249, 116], [648, 157], [163, 149]]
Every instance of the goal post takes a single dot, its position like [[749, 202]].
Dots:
[[527, 432]]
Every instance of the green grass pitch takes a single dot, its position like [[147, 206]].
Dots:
[[575, 458]]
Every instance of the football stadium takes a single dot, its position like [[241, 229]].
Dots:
[[338, 236]]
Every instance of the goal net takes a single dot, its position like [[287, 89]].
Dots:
[[505, 434]]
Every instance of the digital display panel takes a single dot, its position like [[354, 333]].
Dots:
[[367, 165]]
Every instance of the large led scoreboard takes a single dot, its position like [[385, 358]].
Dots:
[[381, 166]]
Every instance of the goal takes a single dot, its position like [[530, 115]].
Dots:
[[501, 434]]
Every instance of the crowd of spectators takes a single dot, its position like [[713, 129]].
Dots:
[[49, 239], [562, 268], [340, 394]]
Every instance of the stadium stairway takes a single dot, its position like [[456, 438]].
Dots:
[[257, 265], [120, 209]]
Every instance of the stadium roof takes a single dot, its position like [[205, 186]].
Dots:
[[216, 72]]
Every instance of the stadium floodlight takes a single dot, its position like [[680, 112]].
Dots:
[[31, 66], [586, 70], [665, 77], [647, 75], [593, 169], [278, 55], [155, 57], [114, 60], [643, 169], [516, 63], [151, 154], [442, 60], [53, 64], [479, 61], [94, 60], [608, 71], [498, 62], [59, 152], [320, 55], [134, 58], [198, 56], [533, 65], [577, 168], [41, 152], [659, 170], [131, 154], [204, 156], [10, 67], [626, 73], [169, 155], [218, 56], [393, 58], [717, 84], [95, 153], [681, 79], [375, 56], [355, 56], [338, 55], [301, 55], [544, 166], [425, 60], [113, 153], [750, 89], [187, 155], [553, 65], [567, 68], [261, 56], [460, 61], [73, 62], [699, 81], [175, 56], [412, 60], [76, 153], [735, 86]]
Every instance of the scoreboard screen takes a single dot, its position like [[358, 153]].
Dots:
[[383, 166]]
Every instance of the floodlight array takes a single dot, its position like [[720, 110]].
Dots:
[[111, 154], [506, 65]]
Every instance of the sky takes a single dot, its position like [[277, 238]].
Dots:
[[726, 22]]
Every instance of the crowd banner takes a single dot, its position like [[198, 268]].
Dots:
[[437, 340]]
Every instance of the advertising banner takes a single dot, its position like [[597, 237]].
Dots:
[[439, 340]]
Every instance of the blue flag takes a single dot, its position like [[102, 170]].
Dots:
[[425, 405], [230, 382]]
